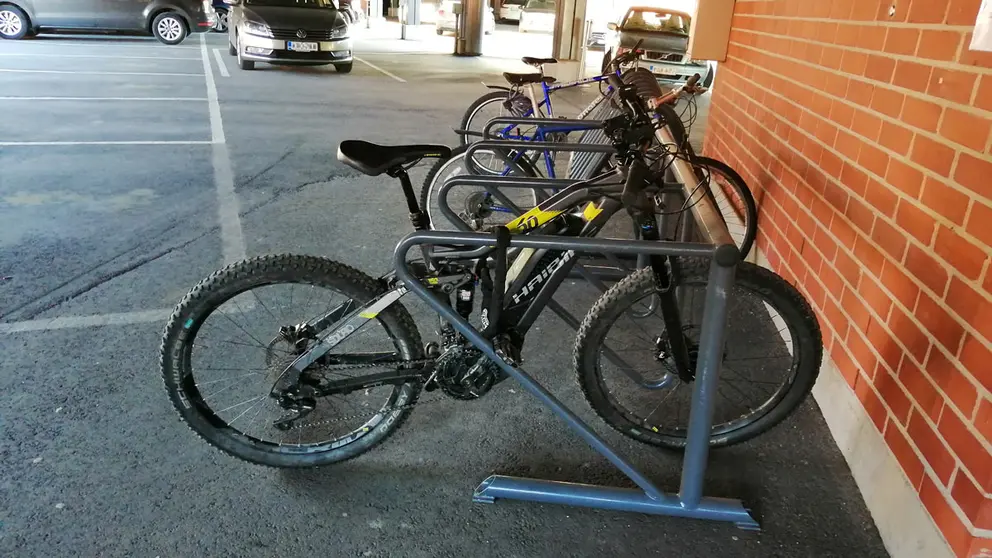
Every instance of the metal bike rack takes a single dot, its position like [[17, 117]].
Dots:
[[689, 501]]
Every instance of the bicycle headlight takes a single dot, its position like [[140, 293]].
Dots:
[[255, 28]]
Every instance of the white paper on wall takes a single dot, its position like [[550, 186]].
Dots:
[[982, 38]]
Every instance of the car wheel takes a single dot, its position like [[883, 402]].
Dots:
[[169, 28], [231, 49], [607, 58], [13, 22], [344, 68], [439, 31], [242, 62], [710, 74], [221, 25]]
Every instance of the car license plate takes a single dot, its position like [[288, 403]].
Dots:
[[302, 47], [663, 70]]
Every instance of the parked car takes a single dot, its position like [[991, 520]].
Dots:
[[446, 22], [537, 16], [509, 10], [665, 36], [222, 7], [303, 32], [169, 21]]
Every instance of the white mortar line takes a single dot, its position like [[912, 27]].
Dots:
[[378, 69], [231, 234]]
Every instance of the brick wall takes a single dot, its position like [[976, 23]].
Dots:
[[866, 139]]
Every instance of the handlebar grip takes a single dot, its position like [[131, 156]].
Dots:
[[691, 82]]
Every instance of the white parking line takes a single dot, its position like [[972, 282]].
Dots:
[[108, 44], [127, 57], [228, 211], [69, 322], [377, 68], [170, 99], [220, 63], [72, 143], [91, 73]]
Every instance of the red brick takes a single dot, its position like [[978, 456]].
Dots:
[[881, 198], [860, 214], [963, 12], [891, 392], [863, 11], [963, 256], [853, 62], [933, 449], [955, 532], [927, 269], [927, 11], [875, 297], [984, 98], [909, 334], [831, 281], [979, 58], [966, 129], [844, 232], [848, 268], [833, 314], [861, 352], [871, 402], [836, 197], [904, 178], [901, 10], [895, 138], [932, 155], [973, 173], [881, 339], [856, 309], [921, 114], [939, 45], [980, 224], [900, 285], [869, 256], [970, 499], [950, 203], [939, 322], [912, 76], [873, 159], [860, 92], [831, 56], [971, 307], [966, 446], [867, 125], [869, 38], [954, 383], [841, 113], [907, 458], [952, 85], [975, 356], [899, 40], [920, 389], [889, 239], [844, 363], [880, 68], [887, 101], [831, 164], [915, 221], [983, 419]]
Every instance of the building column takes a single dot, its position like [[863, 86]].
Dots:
[[569, 42]]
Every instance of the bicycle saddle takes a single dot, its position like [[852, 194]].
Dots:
[[530, 60], [522, 79], [373, 160]]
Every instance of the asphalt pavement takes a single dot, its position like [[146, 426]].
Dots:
[[130, 170]]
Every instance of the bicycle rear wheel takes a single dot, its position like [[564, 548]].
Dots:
[[224, 349], [772, 354]]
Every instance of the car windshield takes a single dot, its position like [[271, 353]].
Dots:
[[543, 5], [656, 20], [293, 3]]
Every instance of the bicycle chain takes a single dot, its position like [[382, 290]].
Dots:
[[371, 413]]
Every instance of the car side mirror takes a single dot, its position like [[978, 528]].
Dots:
[[611, 26]]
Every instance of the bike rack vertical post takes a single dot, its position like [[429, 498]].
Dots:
[[689, 502]]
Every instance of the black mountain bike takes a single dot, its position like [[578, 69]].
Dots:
[[327, 378]]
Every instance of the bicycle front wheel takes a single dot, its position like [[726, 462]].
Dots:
[[772, 353], [493, 105], [226, 346]]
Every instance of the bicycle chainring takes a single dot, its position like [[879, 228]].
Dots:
[[465, 373]]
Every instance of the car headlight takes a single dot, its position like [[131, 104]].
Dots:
[[255, 28], [339, 32]]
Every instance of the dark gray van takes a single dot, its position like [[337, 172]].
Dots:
[[170, 21]]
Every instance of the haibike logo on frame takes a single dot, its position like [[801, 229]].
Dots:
[[534, 283]]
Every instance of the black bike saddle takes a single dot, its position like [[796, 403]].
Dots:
[[374, 160], [530, 60], [523, 79]]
